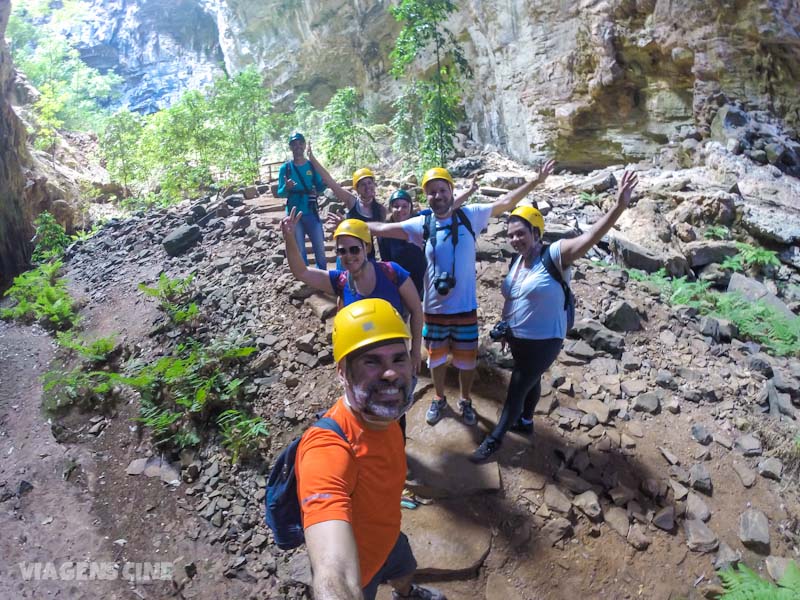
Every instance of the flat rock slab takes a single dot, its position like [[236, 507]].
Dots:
[[438, 455], [445, 541], [499, 588]]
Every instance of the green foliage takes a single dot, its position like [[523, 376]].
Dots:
[[717, 232], [47, 108], [242, 109], [73, 94], [86, 390], [440, 95], [194, 384], [173, 296], [97, 351], [406, 124], [743, 583], [305, 117], [589, 198], [346, 139], [241, 434], [40, 295], [757, 321], [119, 147], [754, 257], [51, 239]]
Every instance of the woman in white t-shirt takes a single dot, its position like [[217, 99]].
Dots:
[[534, 309]]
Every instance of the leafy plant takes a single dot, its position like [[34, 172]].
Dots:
[[173, 297], [119, 146], [589, 198], [40, 295], [441, 94], [241, 434], [749, 256], [97, 351], [743, 583], [51, 239], [86, 390], [755, 320], [346, 139], [717, 232], [194, 384]]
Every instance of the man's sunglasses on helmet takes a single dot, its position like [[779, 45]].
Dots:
[[342, 250]]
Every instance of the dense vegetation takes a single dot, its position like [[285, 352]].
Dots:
[[221, 135]]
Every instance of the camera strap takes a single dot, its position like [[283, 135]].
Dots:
[[429, 233]]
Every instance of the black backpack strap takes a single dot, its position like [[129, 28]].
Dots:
[[464, 220], [548, 263], [306, 191]]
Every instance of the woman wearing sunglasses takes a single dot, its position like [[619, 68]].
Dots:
[[361, 276]]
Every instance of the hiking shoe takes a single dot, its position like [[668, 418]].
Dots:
[[417, 592], [483, 452], [467, 412], [436, 411], [520, 427]]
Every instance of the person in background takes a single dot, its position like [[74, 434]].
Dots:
[[301, 184], [362, 205], [450, 300], [534, 309], [349, 489]]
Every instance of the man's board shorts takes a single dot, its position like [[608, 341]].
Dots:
[[400, 563], [455, 334]]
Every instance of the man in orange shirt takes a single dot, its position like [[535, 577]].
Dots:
[[350, 490]]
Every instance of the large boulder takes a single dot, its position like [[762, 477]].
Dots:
[[756, 291], [705, 252], [181, 239]]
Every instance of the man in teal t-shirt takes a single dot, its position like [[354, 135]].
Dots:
[[301, 184]]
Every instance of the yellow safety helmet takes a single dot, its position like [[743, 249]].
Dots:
[[366, 322], [437, 173], [356, 228], [362, 174], [532, 216]]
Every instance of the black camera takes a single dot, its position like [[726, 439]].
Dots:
[[443, 283], [499, 331]]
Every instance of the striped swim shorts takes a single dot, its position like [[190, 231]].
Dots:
[[455, 334]]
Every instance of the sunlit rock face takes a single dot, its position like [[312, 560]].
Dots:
[[15, 229], [161, 47], [596, 81]]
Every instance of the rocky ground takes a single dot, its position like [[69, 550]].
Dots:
[[663, 444]]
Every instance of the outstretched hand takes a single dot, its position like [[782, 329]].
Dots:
[[289, 223], [332, 220], [545, 171], [629, 181]]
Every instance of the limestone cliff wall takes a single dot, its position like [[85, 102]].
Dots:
[[595, 81], [15, 229]]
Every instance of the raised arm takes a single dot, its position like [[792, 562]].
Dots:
[[575, 248], [341, 194], [333, 553], [389, 230], [410, 298], [314, 277], [509, 201], [463, 197]]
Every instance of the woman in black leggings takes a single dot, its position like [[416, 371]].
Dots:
[[534, 309]]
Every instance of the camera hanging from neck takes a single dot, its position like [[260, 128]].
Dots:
[[432, 229]]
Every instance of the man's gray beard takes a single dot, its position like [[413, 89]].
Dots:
[[362, 402]]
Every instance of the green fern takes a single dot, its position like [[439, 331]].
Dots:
[[240, 434], [40, 295], [717, 232], [173, 297], [749, 256], [588, 198], [96, 351], [745, 584]]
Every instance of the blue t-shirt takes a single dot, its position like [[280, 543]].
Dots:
[[306, 180], [534, 306], [389, 277]]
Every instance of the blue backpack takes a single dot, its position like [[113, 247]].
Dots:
[[282, 507]]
